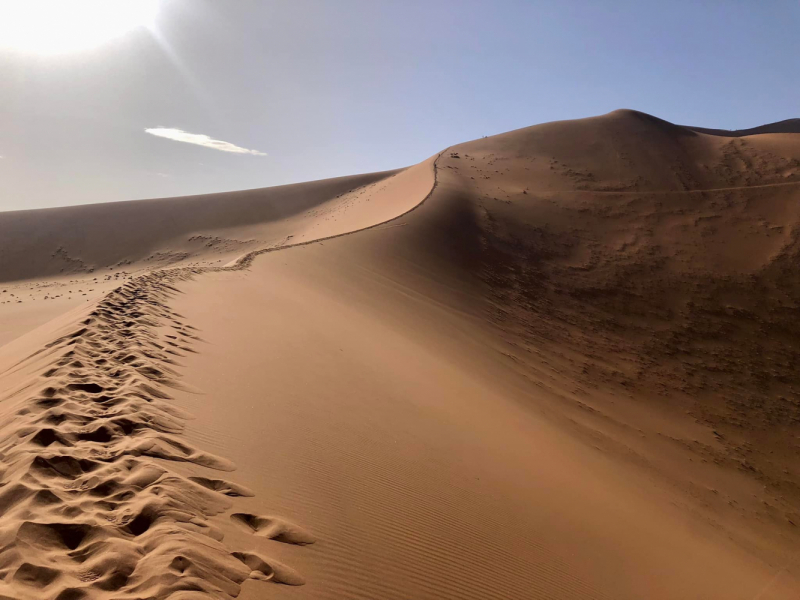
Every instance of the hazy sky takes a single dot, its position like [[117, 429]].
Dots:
[[251, 93]]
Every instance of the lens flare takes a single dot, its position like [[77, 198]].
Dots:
[[61, 26]]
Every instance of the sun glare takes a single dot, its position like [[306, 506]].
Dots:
[[60, 26]]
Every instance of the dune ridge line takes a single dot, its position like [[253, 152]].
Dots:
[[86, 511], [246, 260]]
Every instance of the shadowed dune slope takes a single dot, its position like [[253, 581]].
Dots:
[[653, 263]]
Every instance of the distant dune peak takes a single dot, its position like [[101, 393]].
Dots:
[[785, 126], [631, 115], [649, 120]]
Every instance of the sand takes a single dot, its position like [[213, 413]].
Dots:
[[555, 363]]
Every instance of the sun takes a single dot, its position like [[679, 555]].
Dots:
[[61, 26]]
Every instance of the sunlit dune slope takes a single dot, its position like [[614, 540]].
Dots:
[[55, 259], [97, 500]]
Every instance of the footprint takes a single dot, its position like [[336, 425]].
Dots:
[[36, 576], [223, 487], [265, 569], [274, 528]]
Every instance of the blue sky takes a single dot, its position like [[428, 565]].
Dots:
[[329, 88]]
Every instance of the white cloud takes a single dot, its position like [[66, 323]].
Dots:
[[201, 140]]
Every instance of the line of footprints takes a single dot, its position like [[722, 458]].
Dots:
[[85, 510]]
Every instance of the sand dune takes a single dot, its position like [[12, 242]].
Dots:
[[156, 233], [56, 259], [787, 126], [555, 363]]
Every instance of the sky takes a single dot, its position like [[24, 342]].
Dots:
[[220, 95]]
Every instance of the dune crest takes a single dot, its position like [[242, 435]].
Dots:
[[87, 513]]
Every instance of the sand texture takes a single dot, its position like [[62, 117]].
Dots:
[[561, 362]]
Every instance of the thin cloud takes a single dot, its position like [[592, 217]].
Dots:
[[200, 140]]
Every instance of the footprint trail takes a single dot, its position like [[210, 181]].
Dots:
[[86, 510]]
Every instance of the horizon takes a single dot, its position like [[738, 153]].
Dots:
[[196, 98], [698, 129]]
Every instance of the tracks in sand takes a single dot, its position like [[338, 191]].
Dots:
[[89, 506]]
